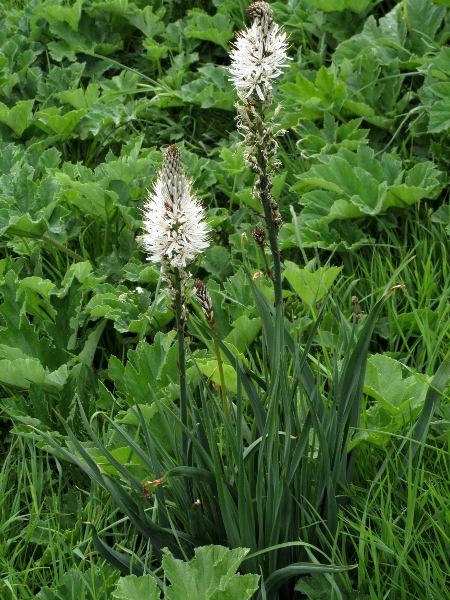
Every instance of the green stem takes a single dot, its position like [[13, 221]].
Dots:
[[223, 390], [181, 358], [266, 197], [233, 191], [406, 15], [268, 271], [56, 244]]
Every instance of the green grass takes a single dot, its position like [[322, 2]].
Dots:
[[399, 528], [416, 325], [42, 535]]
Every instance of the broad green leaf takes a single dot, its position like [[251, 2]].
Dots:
[[425, 19], [217, 29], [438, 65], [80, 98], [149, 366], [422, 181], [408, 322], [210, 369], [328, 207], [217, 261], [439, 117], [90, 197], [327, 140], [52, 121], [310, 100], [55, 12], [142, 273], [18, 333], [86, 356], [398, 400], [155, 51], [148, 22], [152, 419], [211, 89], [356, 184], [79, 271], [442, 216], [37, 292], [132, 163], [125, 456], [130, 311], [18, 117], [22, 372], [71, 587], [246, 197], [239, 295], [24, 226], [340, 5], [211, 574], [385, 383], [232, 162], [311, 287], [136, 588], [92, 39], [243, 332], [3, 265]]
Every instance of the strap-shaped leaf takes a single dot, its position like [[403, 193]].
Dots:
[[437, 386], [276, 580], [120, 561]]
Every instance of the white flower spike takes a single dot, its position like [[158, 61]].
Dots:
[[258, 55], [174, 220]]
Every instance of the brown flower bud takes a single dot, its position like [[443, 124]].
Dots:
[[204, 299], [259, 235], [259, 10]]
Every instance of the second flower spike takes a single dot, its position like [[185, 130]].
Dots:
[[258, 55], [174, 220]]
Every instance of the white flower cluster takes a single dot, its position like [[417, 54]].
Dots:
[[258, 55], [174, 220]]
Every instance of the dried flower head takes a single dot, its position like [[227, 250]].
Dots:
[[258, 55], [174, 220]]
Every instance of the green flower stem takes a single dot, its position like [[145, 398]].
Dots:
[[233, 192], [223, 390], [266, 198], [264, 186], [268, 271], [181, 357], [59, 246]]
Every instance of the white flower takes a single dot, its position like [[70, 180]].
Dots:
[[258, 55], [174, 220]]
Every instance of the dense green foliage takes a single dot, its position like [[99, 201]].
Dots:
[[90, 90]]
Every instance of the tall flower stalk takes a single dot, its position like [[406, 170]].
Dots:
[[175, 233], [258, 56]]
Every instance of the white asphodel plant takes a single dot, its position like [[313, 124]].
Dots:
[[257, 58], [176, 232]]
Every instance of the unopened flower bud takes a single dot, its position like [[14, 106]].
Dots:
[[204, 299], [259, 235]]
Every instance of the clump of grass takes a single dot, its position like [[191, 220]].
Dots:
[[41, 532], [399, 528]]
